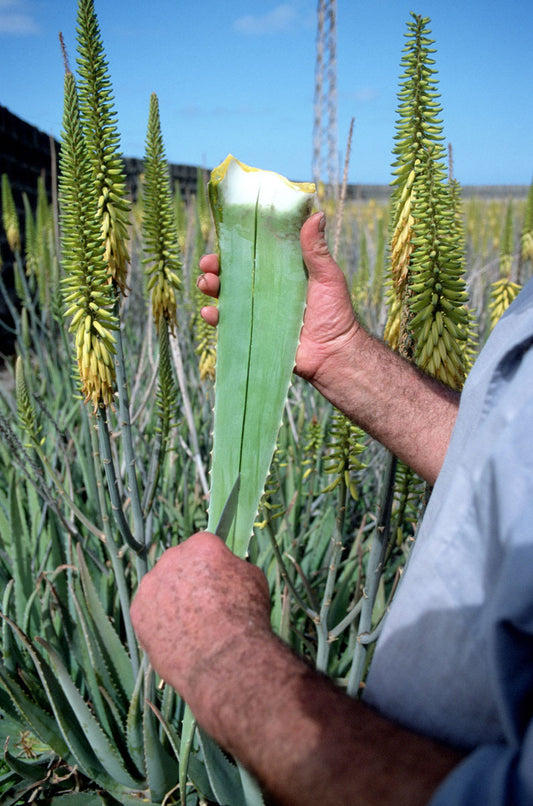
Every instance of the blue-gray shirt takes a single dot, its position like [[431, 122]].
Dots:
[[455, 658]]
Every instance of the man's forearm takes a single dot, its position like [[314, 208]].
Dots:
[[307, 741], [409, 412]]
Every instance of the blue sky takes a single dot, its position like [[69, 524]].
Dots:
[[238, 76]]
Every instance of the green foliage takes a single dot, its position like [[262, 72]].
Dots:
[[25, 409]]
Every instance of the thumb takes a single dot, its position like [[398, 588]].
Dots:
[[315, 252]]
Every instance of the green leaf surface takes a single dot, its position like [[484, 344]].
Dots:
[[117, 658], [134, 724], [196, 771], [96, 753], [78, 799], [21, 552], [223, 774], [162, 770], [35, 719], [258, 216], [188, 730], [29, 771], [250, 788]]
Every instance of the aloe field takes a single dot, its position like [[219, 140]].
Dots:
[[106, 436]]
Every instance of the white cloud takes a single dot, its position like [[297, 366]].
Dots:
[[282, 18], [16, 19]]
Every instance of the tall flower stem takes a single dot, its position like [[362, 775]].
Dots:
[[127, 442]]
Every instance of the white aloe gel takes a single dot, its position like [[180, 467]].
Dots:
[[258, 216]]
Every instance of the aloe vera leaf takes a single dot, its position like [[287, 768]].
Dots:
[[33, 717], [196, 771], [162, 769], [100, 689], [21, 550], [252, 793], [134, 727], [9, 649], [87, 729], [223, 774], [258, 216], [33, 771], [118, 661], [188, 730]]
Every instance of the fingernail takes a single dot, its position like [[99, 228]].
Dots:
[[322, 223], [200, 281]]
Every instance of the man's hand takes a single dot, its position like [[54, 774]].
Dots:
[[198, 601]]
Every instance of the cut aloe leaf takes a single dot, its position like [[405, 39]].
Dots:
[[258, 216]]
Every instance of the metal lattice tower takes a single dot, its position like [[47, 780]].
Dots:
[[325, 146]]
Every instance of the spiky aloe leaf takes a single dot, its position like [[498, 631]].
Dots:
[[223, 775], [110, 647], [195, 769], [20, 551], [134, 726], [28, 715], [87, 727], [258, 216]]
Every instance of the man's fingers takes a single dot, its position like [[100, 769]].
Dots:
[[209, 263], [209, 284], [210, 315]]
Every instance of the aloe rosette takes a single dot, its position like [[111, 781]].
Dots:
[[258, 216]]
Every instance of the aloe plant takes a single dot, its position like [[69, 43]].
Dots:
[[258, 216]]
